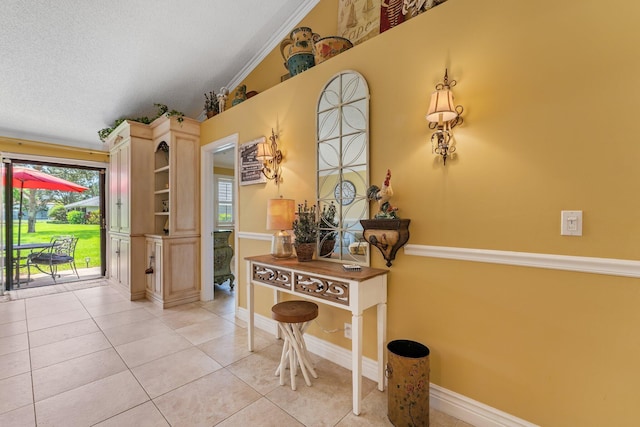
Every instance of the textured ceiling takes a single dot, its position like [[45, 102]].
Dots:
[[71, 67]]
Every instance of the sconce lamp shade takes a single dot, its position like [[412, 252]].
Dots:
[[264, 153], [280, 216], [441, 108]]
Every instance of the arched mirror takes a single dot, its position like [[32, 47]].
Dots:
[[343, 171]]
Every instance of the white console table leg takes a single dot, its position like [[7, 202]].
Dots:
[[382, 340], [250, 309], [356, 355]]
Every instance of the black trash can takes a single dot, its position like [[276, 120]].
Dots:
[[408, 383]]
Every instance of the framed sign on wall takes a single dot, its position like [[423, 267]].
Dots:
[[358, 20], [250, 167]]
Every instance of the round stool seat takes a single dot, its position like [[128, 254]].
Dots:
[[294, 311], [293, 317]]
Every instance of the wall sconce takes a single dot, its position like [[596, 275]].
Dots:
[[443, 115], [271, 157], [388, 235], [280, 216]]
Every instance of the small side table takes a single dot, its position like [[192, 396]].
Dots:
[[222, 254], [293, 317]]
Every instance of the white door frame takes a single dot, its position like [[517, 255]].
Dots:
[[207, 211]]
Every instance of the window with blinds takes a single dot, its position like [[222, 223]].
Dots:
[[224, 201]]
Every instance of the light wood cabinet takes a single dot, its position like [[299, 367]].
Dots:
[[154, 272], [174, 278], [176, 177], [119, 262], [130, 197], [173, 247], [130, 186], [119, 211], [154, 210]]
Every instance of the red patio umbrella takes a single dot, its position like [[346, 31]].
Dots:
[[34, 179]]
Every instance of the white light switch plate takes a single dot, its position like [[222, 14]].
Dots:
[[571, 223]]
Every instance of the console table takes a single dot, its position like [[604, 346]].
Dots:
[[327, 283]]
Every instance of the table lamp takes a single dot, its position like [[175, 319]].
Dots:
[[280, 216]]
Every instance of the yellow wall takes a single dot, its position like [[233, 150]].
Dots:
[[222, 171], [549, 93], [323, 20], [23, 146]]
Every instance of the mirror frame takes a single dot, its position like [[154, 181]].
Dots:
[[342, 166]]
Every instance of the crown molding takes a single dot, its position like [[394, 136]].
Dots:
[[299, 14]]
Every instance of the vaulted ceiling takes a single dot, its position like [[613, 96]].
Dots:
[[69, 68]]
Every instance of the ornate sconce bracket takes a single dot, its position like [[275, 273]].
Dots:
[[388, 235]]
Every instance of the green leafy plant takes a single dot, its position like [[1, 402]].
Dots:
[[58, 213], [75, 217], [328, 223], [305, 226], [211, 102], [93, 217], [162, 110]]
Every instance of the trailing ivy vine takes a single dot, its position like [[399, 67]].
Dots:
[[162, 109]]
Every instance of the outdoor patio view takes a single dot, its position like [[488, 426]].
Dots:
[[56, 224]]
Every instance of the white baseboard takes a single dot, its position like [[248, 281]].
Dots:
[[447, 401], [471, 411], [336, 354]]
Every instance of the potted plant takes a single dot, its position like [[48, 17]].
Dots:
[[305, 230], [327, 229], [211, 104], [162, 110]]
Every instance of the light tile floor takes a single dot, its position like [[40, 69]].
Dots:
[[85, 356]]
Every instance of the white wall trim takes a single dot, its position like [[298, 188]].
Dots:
[[273, 41], [471, 411], [322, 348], [447, 401], [254, 236], [608, 266], [59, 160]]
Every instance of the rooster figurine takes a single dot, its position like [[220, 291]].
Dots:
[[383, 196]]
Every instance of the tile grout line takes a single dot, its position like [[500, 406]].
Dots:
[[191, 346], [33, 392], [130, 372]]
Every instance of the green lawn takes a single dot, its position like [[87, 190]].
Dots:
[[88, 242]]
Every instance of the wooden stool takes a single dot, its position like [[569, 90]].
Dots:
[[293, 317]]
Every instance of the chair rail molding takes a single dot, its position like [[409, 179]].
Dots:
[[254, 236], [606, 266]]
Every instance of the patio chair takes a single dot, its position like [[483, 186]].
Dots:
[[61, 251]]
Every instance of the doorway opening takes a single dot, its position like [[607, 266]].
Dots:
[[53, 229], [219, 220]]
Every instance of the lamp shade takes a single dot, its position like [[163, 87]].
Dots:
[[441, 107], [280, 214], [264, 152]]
